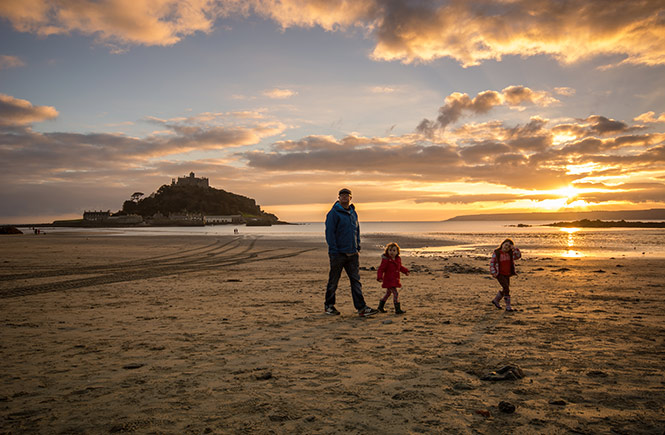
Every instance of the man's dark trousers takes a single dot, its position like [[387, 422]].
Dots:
[[350, 263]]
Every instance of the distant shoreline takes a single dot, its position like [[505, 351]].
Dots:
[[585, 223], [631, 215]]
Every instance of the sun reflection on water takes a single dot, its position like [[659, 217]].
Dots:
[[571, 252]]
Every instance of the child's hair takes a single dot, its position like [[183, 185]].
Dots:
[[390, 245], [507, 240]]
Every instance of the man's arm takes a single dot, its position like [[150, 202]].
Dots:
[[357, 233], [331, 228]]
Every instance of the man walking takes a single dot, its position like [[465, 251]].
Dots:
[[343, 238]]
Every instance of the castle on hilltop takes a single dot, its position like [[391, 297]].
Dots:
[[192, 180]]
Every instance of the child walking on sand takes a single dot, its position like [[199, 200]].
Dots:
[[502, 267], [388, 273]]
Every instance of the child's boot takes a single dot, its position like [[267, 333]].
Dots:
[[496, 299], [381, 305], [398, 310], [508, 307]]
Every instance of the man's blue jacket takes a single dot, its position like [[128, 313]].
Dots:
[[342, 230]]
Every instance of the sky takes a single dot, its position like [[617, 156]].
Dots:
[[425, 109]]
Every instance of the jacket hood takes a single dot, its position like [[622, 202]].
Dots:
[[338, 207]]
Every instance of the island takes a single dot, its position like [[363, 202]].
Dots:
[[187, 201]]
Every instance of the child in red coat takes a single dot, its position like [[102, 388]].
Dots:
[[388, 273], [502, 267]]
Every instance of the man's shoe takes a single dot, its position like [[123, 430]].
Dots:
[[331, 310], [367, 311]]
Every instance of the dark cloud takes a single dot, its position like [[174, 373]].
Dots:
[[457, 105], [604, 126], [484, 152]]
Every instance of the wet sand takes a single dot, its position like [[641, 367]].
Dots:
[[180, 334]]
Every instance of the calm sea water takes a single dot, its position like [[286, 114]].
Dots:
[[446, 238]]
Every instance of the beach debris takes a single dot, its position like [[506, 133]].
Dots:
[[233, 280], [599, 271], [558, 402], [418, 268], [463, 268], [506, 373], [596, 374], [264, 376], [485, 413], [132, 366], [387, 322], [506, 407]]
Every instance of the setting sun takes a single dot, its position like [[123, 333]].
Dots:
[[568, 192]]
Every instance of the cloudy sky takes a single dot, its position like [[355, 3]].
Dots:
[[425, 109]]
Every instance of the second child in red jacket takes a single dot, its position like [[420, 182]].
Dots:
[[388, 273]]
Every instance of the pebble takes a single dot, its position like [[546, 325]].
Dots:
[[483, 412], [263, 376], [387, 322], [558, 402], [506, 407], [132, 366]]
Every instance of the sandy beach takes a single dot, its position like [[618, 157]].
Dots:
[[175, 334]]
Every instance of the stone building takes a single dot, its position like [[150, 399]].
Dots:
[[96, 215], [230, 219], [192, 180]]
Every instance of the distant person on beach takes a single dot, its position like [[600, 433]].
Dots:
[[502, 267], [343, 238], [388, 275]]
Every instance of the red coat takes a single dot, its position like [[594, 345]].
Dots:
[[389, 271]]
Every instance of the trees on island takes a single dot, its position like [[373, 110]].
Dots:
[[194, 199]]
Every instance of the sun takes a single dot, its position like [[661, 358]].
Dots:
[[567, 198], [568, 192]]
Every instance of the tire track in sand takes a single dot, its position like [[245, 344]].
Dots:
[[227, 254]]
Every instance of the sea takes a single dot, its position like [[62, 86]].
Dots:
[[444, 238]]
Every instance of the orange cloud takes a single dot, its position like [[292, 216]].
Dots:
[[279, 94], [469, 31], [10, 62], [14, 111], [329, 14], [475, 31], [146, 22], [650, 117]]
